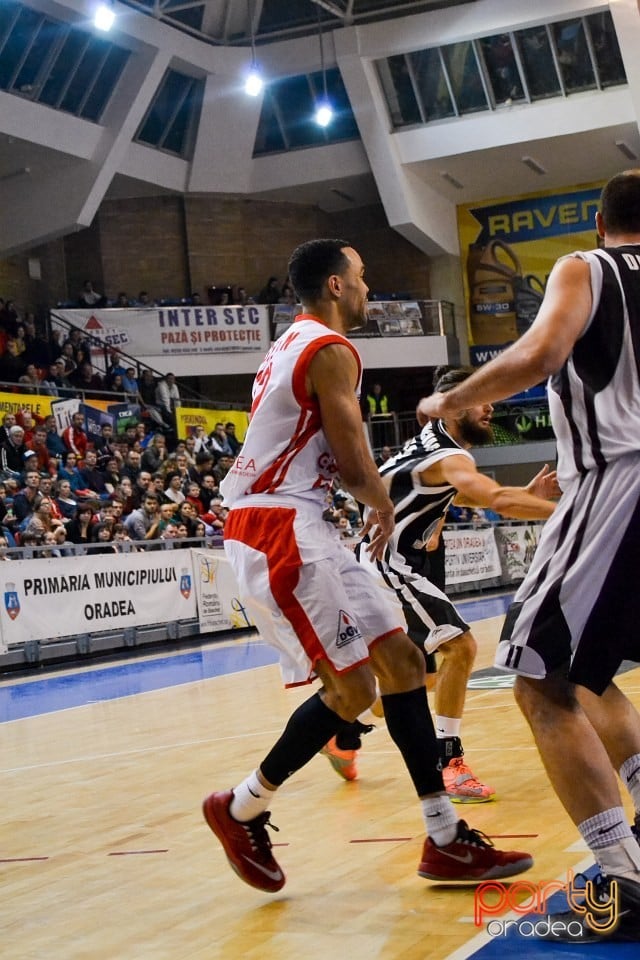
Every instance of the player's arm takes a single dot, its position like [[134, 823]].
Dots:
[[477, 490], [332, 378], [538, 353]]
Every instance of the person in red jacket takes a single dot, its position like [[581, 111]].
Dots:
[[74, 437]]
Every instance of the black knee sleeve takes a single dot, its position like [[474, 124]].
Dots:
[[307, 730], [411, 728]]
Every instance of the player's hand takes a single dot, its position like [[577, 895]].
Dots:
[[545, 484], [430, 408], [379, 527]]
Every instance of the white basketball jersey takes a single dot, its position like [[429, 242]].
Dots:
[[285, 452]]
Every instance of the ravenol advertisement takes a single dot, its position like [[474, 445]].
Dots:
[[508, 248]]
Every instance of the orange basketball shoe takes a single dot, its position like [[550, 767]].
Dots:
[[342, 761], [462, 785]]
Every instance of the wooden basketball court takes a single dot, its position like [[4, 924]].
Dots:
[[104, 852]]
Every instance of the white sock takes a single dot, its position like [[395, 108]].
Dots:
[[609, 837], [630, 776], [250, 799], [447, 727], [441, 819], [622, 859]]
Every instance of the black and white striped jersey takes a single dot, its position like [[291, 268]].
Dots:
[[418, 508], [594, 399]]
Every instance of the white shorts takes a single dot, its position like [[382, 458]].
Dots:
[[307, 594], [579, 604]]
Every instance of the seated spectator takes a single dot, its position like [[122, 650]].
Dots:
[[188, 516], [88, 297], [270, 293], [30, 381], [124, 493], [12, 453], [173, 491], [69, 471], [144, 300], [132, 465], [67, 358], [193, 496], [201, 440], [155, 453], [122, 301], [26, 500], [346, 503], [102, 534], [38, 445], [4, 546], [42, 519], [86, 379], [112, 476], [74, 437], [219, 441], [116, 385], [130, 382], [222, 467], [63, 497], [232, 440], [142, 524], [202, 467], [121, 537], [167, 514], [8, 421], [104, 445], [93, 480], [208, 490], [178, 463], [79, 529], [141, 486], [55, 444]]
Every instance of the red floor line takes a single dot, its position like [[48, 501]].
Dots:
[[21, 859], [382, 840], [132, 853], [512, 836]]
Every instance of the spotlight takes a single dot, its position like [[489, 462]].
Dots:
[[324, 114], [104, 17], [254, 83]]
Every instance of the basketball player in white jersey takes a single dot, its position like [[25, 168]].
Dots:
[[308, 595], [575, 617]]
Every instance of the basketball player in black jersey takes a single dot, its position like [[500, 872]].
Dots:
[[575, 617], [432, 470]]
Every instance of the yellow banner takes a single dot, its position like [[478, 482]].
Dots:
[[39, 405], [188, 418], [508, 248]]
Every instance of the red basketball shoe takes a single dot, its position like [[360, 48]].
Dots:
[[247, 845], [471, 856]]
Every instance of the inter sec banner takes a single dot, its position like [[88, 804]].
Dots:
[[43, 599], [175, 331]]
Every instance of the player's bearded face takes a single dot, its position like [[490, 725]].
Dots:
[[475, 425]]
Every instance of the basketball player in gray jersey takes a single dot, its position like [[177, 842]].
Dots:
[[575, 617], [422, 481]]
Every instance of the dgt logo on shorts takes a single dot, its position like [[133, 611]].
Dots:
[[348, 630]]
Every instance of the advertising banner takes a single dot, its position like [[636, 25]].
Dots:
[[188, 418], [517, 546], [44, 599], [219, 604], [471, 555], [38, 404], [508, 248], [175, 331]]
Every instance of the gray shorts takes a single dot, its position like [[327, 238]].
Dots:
[[579, 604]]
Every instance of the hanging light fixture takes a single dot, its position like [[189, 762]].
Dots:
[[324, 110], [253, 82], [104, 16]]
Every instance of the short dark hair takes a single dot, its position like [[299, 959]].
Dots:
[[446, 378], [620, 203], [312, 263]]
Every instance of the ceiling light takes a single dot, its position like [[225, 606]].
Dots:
[[324, 110], [323, 114], [626, 150], [534, 165], [254, 82], [104, 17]]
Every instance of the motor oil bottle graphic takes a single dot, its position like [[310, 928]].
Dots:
[[494, 275], [529, 293]]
